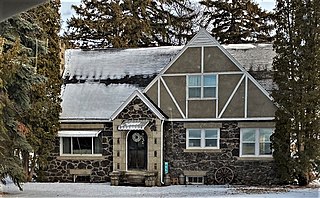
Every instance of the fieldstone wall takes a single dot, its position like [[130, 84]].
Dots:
[[59, 167], [246, 171], [137, 110]]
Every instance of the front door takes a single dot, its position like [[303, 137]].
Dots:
[[137, 150]]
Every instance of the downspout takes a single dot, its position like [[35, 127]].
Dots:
[[161, 155]]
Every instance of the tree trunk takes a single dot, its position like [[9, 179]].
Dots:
[[303, 179]]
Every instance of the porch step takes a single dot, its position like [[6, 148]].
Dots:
[[136, 178]]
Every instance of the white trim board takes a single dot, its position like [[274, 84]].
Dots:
[[231, 96], [172, 97], [144, 100], [220, 119]]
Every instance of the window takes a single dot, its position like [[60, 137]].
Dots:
[[202, 86], [81, 145], [203, 138], [194, 180], [255, 142]]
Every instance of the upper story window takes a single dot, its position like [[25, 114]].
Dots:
[[203, 138], [255, 142], [81, 146], [202, 86]]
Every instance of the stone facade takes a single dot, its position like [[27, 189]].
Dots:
[[252, 171], [137, 110], [72, 168]]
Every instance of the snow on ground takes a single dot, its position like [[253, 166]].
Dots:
[[105, 190]]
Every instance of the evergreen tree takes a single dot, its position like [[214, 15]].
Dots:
[[130, 23], [98, 23], [172, 22], [236, 21], [38, 32], [43, 118], [16, 79], [296, 141]]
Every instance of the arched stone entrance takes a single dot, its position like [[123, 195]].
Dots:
[[137, 146]]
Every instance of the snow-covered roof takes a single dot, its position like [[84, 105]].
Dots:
[[93, 101], [117, 63], [252, 56], [96, 101]]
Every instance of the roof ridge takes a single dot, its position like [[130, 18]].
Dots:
[[203, 38]]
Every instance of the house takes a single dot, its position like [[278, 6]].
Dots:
[[193, 113]]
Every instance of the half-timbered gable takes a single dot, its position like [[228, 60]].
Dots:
[[205, 82]]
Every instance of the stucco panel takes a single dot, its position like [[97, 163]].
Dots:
[[227, 83], [216, 61], [259, 105], [188, 62], [177, 86], [235, 108], [167, 105], [152, 93], [202, 108]]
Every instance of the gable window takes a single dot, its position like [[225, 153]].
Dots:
[[203, 138], [255, 142], [202, 86], [81, 145]]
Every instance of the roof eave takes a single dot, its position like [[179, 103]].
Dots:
[[144, 100], [82, 120]]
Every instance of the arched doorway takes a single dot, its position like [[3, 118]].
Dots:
[[137, 150]]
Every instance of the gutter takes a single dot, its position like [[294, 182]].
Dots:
[[161, 156], [84, 120]]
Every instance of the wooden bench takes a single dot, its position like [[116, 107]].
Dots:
[[80, 172]]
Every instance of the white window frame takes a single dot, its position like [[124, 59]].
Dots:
[[202, 86], [256, 143], [188, 178], [203, 139], [71, 142]]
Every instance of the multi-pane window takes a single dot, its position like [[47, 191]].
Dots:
[[194, 180], [202, 86], [81, 145], [194, 83], [256, 142], [202, 138]]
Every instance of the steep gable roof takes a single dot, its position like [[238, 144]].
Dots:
[[144, 99], [203, 38]]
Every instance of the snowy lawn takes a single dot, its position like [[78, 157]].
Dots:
[[105, 190]]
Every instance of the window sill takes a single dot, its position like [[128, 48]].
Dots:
[[80, 157], [202, 99], [201, 150], [258, 158]]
